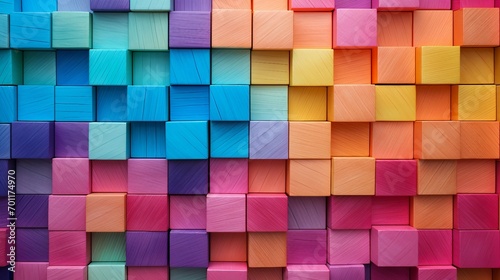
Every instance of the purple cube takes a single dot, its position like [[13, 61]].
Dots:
[[188, 248], [268, 140], [32, 245], [5, 141], [72, 139], [306, 213], [147, 248], [33, 140], [188, 177], [32, 211], [189, 29], [110, 5], [34, 176], [193, 5], [5, 166]]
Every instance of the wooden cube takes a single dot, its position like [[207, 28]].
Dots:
[[69, 248], [106, 212], [311, 29], [226, 213], [391, 5], [110, 30], [391, 140], [349, 212], [235, 61], [149, 272], [300, 144], [147, 176], [228, 247], [188, 248], [110, 67], [380, 273], [267, 212], [352, 66], [351, 103], [306, 213], [431, 212], [473, 102], [354, 271], [190, 66], [390, 210], [396, 177], [315, 5], [189, 29], [307, 103], [188, 212], [191, 136], [393, 65], [308, 177], [467, 29], [460, 4], [433, 103], [476, 176], [268, 140], [479, 140], [272, 30], [475, 211], [77, 23], [267, 249], [67, 212], [269, 103], [350, 140], [228, 4], [353, 176], [432, 28], [476, 248], [395, 246], [348, 246], [395, 103], [437, 140], [231, 28], [319, 272], [270, 5], [31, 30], [270, 67], [311, 67], [63, 272], [435, 247], [267, 176], [394, 28], [347, 20], [437, 65], [143, 27], [109, 246], [71, 176], [306, 247], [437, 177], [477, 66], [265, 273], [109, 176], [442, 272], [229, 176], [32, 140], [147, 213], [227, 270]]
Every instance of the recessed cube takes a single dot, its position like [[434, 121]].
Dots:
[[348, 246], [147, 248], [69, 248], [379, 272], [229, 139], [155, 5], [476, 176], [112, 104], [107, 270], [147, 140], [396, 177], [229, 176], [147, 176], [353, 176], [147, 103], [148, 272], [35, 103], [148, 31], [432, 28], [111, 6], [64, 272], [33, 140], [301, 5], [188, 273], [75, 103], [269, 103], [189, 29], [475, 211], [473, 103], [187, 140], [306, 213], [109, 176], [466, 28], [395, 29], [362, 20], [229, 103], [391, 140], [433, 103], [431, 212], [441, 272], [27, 270], [390, 210], [189, 248], [308, 177], [306, 247], [237, 62], [394, 65], [32, 211], [351, 103], [108, 247], [400, 5], [188, 177], [8, 104], [354, 271], [437, 177], [317, 145], [4, 31], [394, 246], [395, 103], [477, 66], [106, 212], [189, 103], [33, 176], [188, 212], [349, 212], [72, 68], [226, 213], [272, 30], [67, 212], [270, 67], [311, 29], [228, 247], [266, 176], [78, 24], [313, 67], [11, 61], [437, 65], [259, 246], [437, 140], [147, 212], [236, 34], [5, 136], [189, 67], [479, 140], [110, 67], [476, 248], [307, 104], [32, 245], [110, 30], [71, 176], [267, 212], [429, 241], [227, 270], [39, 68], [108, 141], [268, 140], [30, 30]]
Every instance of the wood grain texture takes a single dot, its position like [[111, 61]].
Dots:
[[468, 23], [437, 272], [348, 246], [476, 176], [479, 140], [396, 177], [354, 271], [307, 103], [267, 176], [109, 141], [346, 20], [106, 212], [188, 177], [231, 4], [107, 270], [189, 248], [459, 4], [229, 139], [110, 67], [314, 5], [39, 68], [147, 140], [352, 66], [270, 67], [230, 270], [193, 5], [350, 139], [349, 212], [190, 66], [306, 213], [476, 248], [437, 65], [395, 103], [69, 248], [473, 102], [187, 140], [268, 140], [308, 177], [32, 140], [32, 245], [114, 5], [391, 140], [434, 247], [433, 103], [267, 213], [431, 212], [110, 30], [311, 67], [390, 210], [231, 28], [269, 5], [108, 247], [437, 140], [267, 249], [228, 247], [188, 212], [147, 212], [393, 65], [236, 62], [394, 28], [312, 30], [351, 103], [109, 176], [269, 103], [272, 30], [32, 211], [147, 176], [148, 31], [67, 212], [31, 270], [353, 176], [147, 248], [265, 273], [437, 177], [189, 29], [71, 30], [145, 273], [309, 140], [399, 5], [315, 271], [432, 28], [67, 272], [435, 4], [395, 246], [229, 176], [33, 176], [226, 213], [475, 211], [306, 247]]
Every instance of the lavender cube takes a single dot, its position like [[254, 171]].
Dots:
[[306, 213], [34, 176], [268, 140], [32, 211], [193, 5], [110, 5], [189, 29]]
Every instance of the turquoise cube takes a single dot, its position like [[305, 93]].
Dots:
[[111, 104], [4, 31], [110, 30], [39, 68], [109, 141], [75, 104], [189, 103], [107, 271], [147, 103], [35, 103], [269, 103], [187, 140], [108, 247], [230, 67], [189, 67], [10, 6], [11, 63], [151, 68], [39, 6], [150, 5], [229, 139], [8, 104], [71, 30], [30, 30], [110, 67], [229, 103], [148, 31], [148, 140]]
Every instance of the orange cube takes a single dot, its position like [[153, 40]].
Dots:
[[479, 140], [307, 103], [473, 102], [392, 140], [272, 30], [353, 176], [270, 5], [476, 176], [309, 140], [433, 103], [437, 140], [393, 65], [474, 274], [266, 176], [394, 28], [228, 247], [232, 4], [431, 212], [353, 66], [311, 30], [106, 212], [476, 27], [306, 177], [432, 28], [351, 103], [266, 249], [437, 177], [477, 66], [231, 28], [350, 139]]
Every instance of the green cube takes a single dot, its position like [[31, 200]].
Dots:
[[110, 31], [107, 271], [148, 31], [39, 68], [150, 5], [71, 30], [108, 247]]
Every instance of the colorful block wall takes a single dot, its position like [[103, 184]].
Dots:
[[250, 139]]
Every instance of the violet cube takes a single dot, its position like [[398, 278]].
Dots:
[[188, 177], [268, 140], [189, 29], [72, 139], [188, 248], [5, 166], [193, 5], [306, 213], [32, 245], [32, 211], [5, 141], [34, 176], [110, 5], [147, 248], [33, 140]]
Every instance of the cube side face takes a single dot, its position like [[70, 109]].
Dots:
[[109, 141], [154, 5], [106, 270], [77, 23]]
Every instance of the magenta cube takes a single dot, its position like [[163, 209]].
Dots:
[[393, 273], [267, 212], [146, 273], [188, 212], [147, 176], [229, 176], [394, 246], [349, 212], [69, 248], [353, 4], [227, 270], [67, 272], [71, 176], [460, 4], [396, 177], [435, 247], [147, 212], [226, 213], [67, 212], [400, 5], [434, 272], [351, 272], [354, 28], [391, 210], [476, 248], [317, 272], [306, 246], [189, 29], [475, 211], [435, 5], [31, 270], [311, 5], [348, 246], [306, 212], [110, 176]]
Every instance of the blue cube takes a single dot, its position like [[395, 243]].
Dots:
[[147, 103], [35, 103], [109, 141], [10, 6], [148, 140], [190, 67], [8, 104], [75, 104], [4, 141], [39, 6], [230, 67], [229, 103], [72, 68], [4, 31], [30, 30], [11, 63], [111, 104], [187, 140], [39, 68], [229, 139], [189, 103], [110, 67]]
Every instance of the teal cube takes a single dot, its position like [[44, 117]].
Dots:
[[108, 247], [71, 30], [148, 31], [188, 274], [11, 63], [229, 139], [8, 104], [35, 103], [151, 68], [109, 141], [30, 31], [39, 68], [75, 104], [269, 103], [148, 140], [147, 103], [187, 140], [229, 103], [110, 30], [230, 67], [107, 271], [110, 67], [4, 31], [150, 5]]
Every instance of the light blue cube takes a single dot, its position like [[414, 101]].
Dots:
[[229, 139], [8, 104], [230, 67], [75, 104], [107, 271], [187, 140], [229, 103], [30, 30], [110, 67], [269, 103], [110, 30], [35, 103], [147, 103]]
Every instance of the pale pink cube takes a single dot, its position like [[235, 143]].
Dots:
[[476, 248], [67, 212], [299, 272], [267, 212], [226, 213], [391, 210], [229, 176], [67, 272], [434, 272], [349, 212], [395, 246], [354, 28], [351, 272], [31, 270], [396, 177], [348, 246], [435, 247], [399, 5], [148, 176], [71, 176], [109, 176], [475, 211], [188, 212], [312, 5], [227, 270], [306, 246], [147, 273], [147, 212]]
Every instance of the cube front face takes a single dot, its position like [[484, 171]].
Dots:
[[79, 24], [30, 30], [181, 134], [438, 65], [108, 141], [106, 213], [399, 245], [148, 31]]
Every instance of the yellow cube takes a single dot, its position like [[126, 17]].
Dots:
[[438, 65], [395, 103], [270, 67], [307, 103], [473, 103], [311, 67], [477, 66]]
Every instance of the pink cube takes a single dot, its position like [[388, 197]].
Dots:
[[109, 176], [298, 272], [348, 246], [188, 212], [351, 272], [67, 212], [475, 211], [399, 5], [306, 246], [434, 272], [354, 28], [147, 212], [311, 5], [226, 213], [396, 177], [227, 270], [31, 270], [435, 4], [4, 234], [394, 246], [67, 272], [147, 273], [392, 273], [69, 248], [349, 212], [460, 4], [476, 248], [435, 247], [267, 212], [71, 176], [147, 176], [229, 176], [387, 210]]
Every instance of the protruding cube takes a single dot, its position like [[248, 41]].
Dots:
[[187, 140], [309, 140], [189, 248], [226, 213], [110, 67], [78, 24], [434, 247], [437, 140], [106, 212], [432, 28], [311, 67], [190, 67], [32, 140], [467, 29], [476, 248], [189, 29], [349, 212], [148, 31], [437, 177], [395, 246], [67, 212], [473, 103], [307, 177], [475, 211], [479, 140], [270, 67], [353, 176], [393, 65], [431, 212], [272, 30], [69, 248], [347, 20], [391, 140], [437, 65], [395, 103], [348, 246], [351, 103], [231, 28], [147, 213]]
